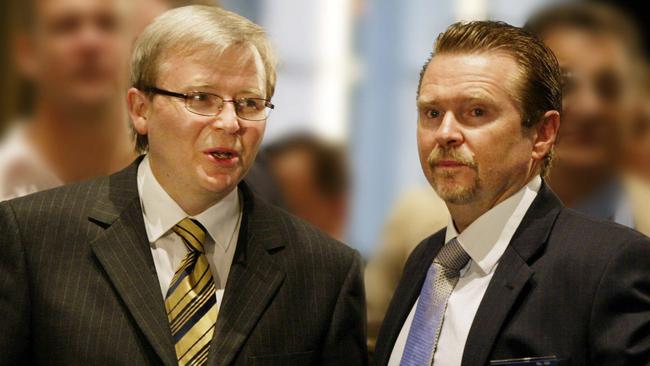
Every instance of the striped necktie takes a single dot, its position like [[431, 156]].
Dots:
[[430, 311], [191, 302]]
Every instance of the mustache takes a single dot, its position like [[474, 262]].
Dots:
[[438, 154]]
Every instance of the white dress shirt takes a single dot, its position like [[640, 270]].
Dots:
[[22, 171], [484, 240], [161, 213]]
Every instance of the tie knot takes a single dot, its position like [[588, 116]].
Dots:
[[452, 256], [192, 233]]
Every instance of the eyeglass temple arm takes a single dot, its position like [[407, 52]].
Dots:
[[165, 92]]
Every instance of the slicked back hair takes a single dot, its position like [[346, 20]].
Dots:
[[539, 85]]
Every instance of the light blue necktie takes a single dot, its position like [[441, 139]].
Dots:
[[441, 279]]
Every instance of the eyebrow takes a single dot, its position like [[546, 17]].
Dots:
[[482, 97], [251, 91], [473, 97], [255, 91], [420, 102]]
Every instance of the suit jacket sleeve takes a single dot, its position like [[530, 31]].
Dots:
[[346, 339], [14, 291], [620, 316]]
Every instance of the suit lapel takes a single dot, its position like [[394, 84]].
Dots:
[[123, 251], [405, 296], [253, 281], [511, 277]]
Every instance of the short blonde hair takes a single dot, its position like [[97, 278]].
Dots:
[[191, 29]]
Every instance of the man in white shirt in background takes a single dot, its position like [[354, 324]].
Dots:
[[515, 274], [74, 55]]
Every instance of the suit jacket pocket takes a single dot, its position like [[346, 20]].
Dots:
[[282, 359]]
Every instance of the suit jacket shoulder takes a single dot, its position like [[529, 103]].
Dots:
[[308, 241], [61, 215]]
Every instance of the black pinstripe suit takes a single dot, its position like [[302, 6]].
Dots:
[[78, 285]]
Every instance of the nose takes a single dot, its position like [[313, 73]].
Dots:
[[227, 119], [448, 134]]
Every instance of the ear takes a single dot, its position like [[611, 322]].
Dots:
[[545, 134], [139, 106]]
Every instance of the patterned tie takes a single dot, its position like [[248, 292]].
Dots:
[[441, 279], [191, 302]]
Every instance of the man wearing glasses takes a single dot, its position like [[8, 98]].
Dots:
[[174, 260]]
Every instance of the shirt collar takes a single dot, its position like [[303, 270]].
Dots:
[[161, 212], [487, 237]]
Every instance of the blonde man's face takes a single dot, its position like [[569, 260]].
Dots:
[[206, 156]]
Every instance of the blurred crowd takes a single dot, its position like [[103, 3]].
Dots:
[[64, 120]]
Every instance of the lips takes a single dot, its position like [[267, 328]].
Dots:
[[222, 155], [448, 164]]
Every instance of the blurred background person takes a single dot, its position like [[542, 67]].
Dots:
[[312, 177], [600, 55], [638, 148], [6, 66], [74, 56]]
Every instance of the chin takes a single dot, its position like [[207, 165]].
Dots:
[[455, 191], [456, 195], [219, 182]]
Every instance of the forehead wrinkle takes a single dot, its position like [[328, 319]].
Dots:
[[209, 72], [482, 70], [455, 94]]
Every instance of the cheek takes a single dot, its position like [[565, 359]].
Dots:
[[426, 142], [63, 53], [252, 137], [173, 135], [501, 153]]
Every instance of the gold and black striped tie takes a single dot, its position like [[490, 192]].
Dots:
[[191, 302]]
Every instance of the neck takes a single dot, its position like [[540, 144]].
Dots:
[[464, 215], [78, 143]]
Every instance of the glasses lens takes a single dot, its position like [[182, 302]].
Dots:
[[253, 109], [204, 103]]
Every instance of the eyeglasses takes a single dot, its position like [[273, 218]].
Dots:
[[208, 104]]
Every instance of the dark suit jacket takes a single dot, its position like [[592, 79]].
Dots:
[[78, 286], [566, 285]]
